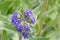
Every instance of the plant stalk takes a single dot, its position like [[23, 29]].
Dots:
[[44, 8]]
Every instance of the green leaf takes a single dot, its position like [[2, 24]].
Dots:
[[36, 10], [59, 1], [7, 23], [1, 1], [55, 35], [36, 27], [51, 3], [5, 6], [43, 38], [14, 7], [53, 22], [34, 3], [10, 35], [4, 35], [25, 4], [10, 26], [4, 18]]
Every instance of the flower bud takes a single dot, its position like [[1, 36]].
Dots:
[[28, 13]]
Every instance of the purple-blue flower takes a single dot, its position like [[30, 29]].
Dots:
[[28, 13], [29, 16], [19, 28], [26, 28], [15, 22], [33, 20], [14, 15], [21, 24], [25, 35]]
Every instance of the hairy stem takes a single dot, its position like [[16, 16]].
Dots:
[[44, 8], [20, 37]]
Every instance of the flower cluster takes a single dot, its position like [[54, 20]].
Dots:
[[21, 24], [28, 15]]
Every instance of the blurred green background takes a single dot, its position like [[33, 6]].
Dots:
[[47, 13]]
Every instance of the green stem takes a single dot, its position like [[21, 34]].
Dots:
[[20, 37], [44, 8]]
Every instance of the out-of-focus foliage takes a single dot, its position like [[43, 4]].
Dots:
[[51, 18]]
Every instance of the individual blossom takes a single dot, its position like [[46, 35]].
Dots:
[[19, 28], [24, 35], [26, 27], [33, 20], [28, 13], [15, 22]]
